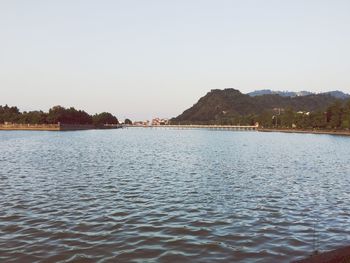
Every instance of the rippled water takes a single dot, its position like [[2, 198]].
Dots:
[[143, 195]]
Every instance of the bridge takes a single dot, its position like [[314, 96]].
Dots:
[[207, 127]]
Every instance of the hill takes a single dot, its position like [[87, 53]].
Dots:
[[281, 93], [336, 93], [229, 104]]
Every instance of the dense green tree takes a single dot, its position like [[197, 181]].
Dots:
[[127, 121], [318, 120], [287, 118], [345, 122], [33, 117], [303, 121], [69, 116], [104, 118], [334, 115], [9, 114]]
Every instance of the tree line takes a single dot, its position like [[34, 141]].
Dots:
[[54, 115]]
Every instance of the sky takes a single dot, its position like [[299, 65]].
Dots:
[[142, 59]]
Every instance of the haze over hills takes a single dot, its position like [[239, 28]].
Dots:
[[336, 93], [229, 105]]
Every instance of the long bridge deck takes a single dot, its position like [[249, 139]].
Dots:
[[208, 127]]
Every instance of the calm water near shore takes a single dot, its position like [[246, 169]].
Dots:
[[148, 195]]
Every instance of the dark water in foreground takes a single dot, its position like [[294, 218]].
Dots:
[[140, 195]]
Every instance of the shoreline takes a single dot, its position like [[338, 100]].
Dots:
[[326, 132], [75, 127]]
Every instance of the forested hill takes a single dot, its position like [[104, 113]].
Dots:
[[230, 105]]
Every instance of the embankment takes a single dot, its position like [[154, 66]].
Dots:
[[30, 127], [54, 127]]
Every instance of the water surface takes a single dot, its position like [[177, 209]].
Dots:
[[148, 195]]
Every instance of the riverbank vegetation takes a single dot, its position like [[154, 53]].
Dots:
[[336, 116], [54, 115]]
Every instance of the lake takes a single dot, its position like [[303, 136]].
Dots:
[[158, 195]]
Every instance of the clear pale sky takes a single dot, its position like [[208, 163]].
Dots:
[[142, 59]]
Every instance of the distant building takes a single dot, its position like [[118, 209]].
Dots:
[[158, 121], [304, 113], [278, 110], [141, 123]]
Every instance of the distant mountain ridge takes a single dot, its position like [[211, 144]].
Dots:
[[336, 93], [219, 105]]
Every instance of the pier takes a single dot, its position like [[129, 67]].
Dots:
[[206, 127]]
